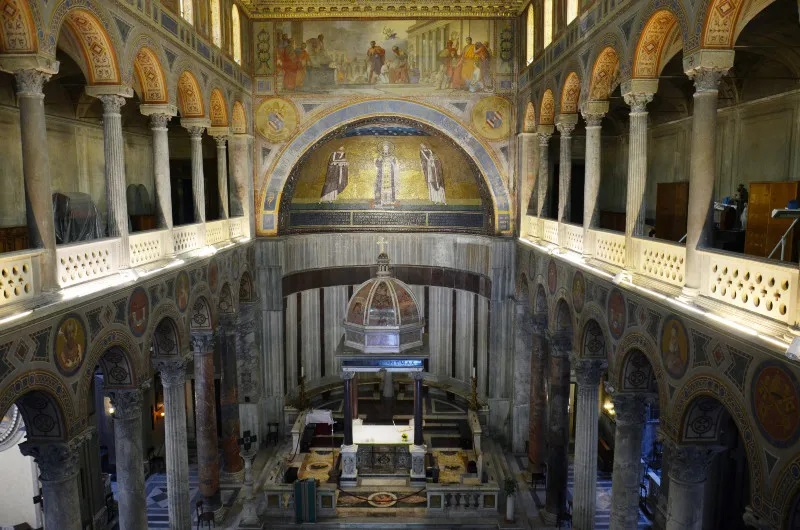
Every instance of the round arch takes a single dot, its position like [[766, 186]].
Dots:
[[226, 305], [273, 187], [218, 109], [166, 339], [114, 350], [150, 74], [547, 109], [563, 316], [238, 118], [96, 45], [593, 341], [18, 22], [649, 56], [636, 341], [570, 94], [45, 404], [246, 290], [605, 74], [724, 19], [201, 316], [529, 123], [190, 96]]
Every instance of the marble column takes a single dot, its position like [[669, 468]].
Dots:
[[527, 186], [566, 124], [190, 425], [538, 406], [354, 395], [418, 439], [159, 118], [558, 428], [221, 136], [688, 472], [702, 171], [588, 373], [249, 502], [198, 178], [173, 379], [116, 185], [36, 171], [387, 391], [593, 114], [637, 173], [543, 175], [523, 348], [627, 474], [349, 449], [347, 407], [59, 465], [238, 145], [129, 458], [206, 419], [232, 464]]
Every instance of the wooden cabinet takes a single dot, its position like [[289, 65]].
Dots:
[[672, 206], [764, 232]]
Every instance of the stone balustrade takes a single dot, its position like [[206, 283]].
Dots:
[[661, 260], [217, 232], [186, 238], [81, 262], [237, 227], [609, 247], [462, 500], [573, 235], [17, 276], [550, 230], [147, 247]]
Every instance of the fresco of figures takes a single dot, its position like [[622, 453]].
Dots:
[[392, 56]]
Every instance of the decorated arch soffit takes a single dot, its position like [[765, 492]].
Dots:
[[660, 30], [547, 111], [529, 123], [277, 112], [605, 74], [190, 96], [18, 23], [570, 94], [219, 109], [238, 119], [151, 77], [96, 46]]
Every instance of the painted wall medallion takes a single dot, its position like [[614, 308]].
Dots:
[[674, 347], [776, 403], [138, 311], [616, 313], [578, 291], [213, 275], [491, 117], [552, 277], [182, 291], [276, 119], [70, 344]]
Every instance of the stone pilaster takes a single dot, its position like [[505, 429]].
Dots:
[[543, 175], [36, 170], [206, 419], [538, 405], [637, 172], [558, 428], [593, 114], [688, 472], [566, 124], [221, 136], [173, 379], [702, 170], [129, 458], [59, 464], [629, 415], [588, 373], [196, 129]]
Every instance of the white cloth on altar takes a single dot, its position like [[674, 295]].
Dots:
[[382, 434]]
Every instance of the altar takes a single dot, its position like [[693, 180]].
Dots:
[[382, 434]]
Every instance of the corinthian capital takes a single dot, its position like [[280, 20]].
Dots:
[[30, 82], [159, 120], [690, 463], [112, 103], [589, 371], [706, 79], [127, 403], [57, 461], [638, 101], [173, 370]]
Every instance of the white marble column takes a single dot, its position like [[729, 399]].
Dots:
[[627, 473], [221, 136], [566, 124], [688, 472], [196, 129], [129, 458], [588, 373], [59, 465], [173, 378], [543, 175], [637, 172], [702, 171], [36, 170], [241, 179], [159, 118], [593, 114]]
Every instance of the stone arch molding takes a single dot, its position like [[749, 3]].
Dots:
[[272, 188], [655, 26]]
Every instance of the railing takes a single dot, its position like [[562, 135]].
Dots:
[[146, 247], [766, 288], [217, 231], [662, 260], [186, 238], [574, 237], [550, 230], [81, 262], [609, 247], [17, 276], [279, 499], [236, 227], [462, 500]]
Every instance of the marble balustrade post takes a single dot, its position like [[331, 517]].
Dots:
[[173, 379], [558, 427], [196, 129], [159, 118], [538, 406], [688, 472], [203, 345], [702, 171], [59, 466], [36, 170], [588, 373], [543, 175], [637, 173], [418, 438], [129, 458], [593, 114], [627, 473], [566, 125], [232, 464], [347, 408]]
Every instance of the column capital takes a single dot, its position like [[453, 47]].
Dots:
[[173, 370], [589, 371], [565, 123], [195, 126], [560, 343], [754, 520], [219, 132], [202, 342], [347, 376], [16, 63], [57, 461], [148, 109], [30, 83], [127, 402], [638, 101], [690, 463], [628, 408], [544, 132], [159, 121], [112, 103], [706, 79]]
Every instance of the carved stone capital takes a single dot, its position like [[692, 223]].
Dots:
[[127, 403], [173, 371], [706, 79], [112, 103], [195, 132], [30, 83], [544, 138], [202, 343], [593, 120], [565, 129], [57, 461], [159, 121], [348, 375], [629, 408], [560, 343], [690, 463], [222, 141], [638, 101], [589, 371]]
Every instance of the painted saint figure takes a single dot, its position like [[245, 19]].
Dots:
[[387, 176], [376, 56], [432, 169], [336, 176], [466, 65]]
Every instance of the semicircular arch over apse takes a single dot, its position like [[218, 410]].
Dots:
[[386, 174]]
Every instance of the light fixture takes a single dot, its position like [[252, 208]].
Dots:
[[111, 410]]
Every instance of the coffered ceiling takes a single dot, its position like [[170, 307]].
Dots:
[[382, 9]]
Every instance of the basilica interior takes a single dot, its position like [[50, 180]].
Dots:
[[400, 264]]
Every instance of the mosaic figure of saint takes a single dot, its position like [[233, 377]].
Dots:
[[336, 176], [432, 169], [387, 176]]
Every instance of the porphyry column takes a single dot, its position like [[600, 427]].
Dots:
[[196, 129], [206, 420], [221, 135], [543, 175], [538, 407], [629, 412], [232, 464], [702, 170], [173, 377], [688, 472], [588, 373], [637, 172], [593, 114], [129, 458], [558, 428]]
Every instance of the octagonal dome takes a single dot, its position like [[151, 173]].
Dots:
[[383, 315]]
